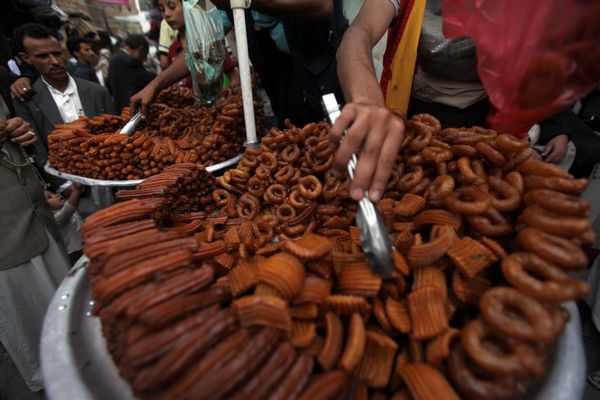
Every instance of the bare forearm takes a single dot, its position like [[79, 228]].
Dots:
[[355, 69], [74, 198], [174, 73], [354, 57]]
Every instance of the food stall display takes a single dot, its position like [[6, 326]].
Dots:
[[174, 132], [254, 285]]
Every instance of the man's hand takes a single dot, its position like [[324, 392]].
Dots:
[[556, 149], [377, 132], [143, 99], [19, 131], [21, 89]]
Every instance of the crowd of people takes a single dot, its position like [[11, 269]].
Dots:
[[300, 50]]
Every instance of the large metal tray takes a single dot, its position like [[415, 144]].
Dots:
[[76, 364], [129, 183]]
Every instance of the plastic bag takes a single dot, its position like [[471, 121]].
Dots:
[[535, 57], [206, 50]]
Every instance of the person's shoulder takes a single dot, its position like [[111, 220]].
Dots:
[[80, 67], [38, 83], [119, 58], [89, 85]]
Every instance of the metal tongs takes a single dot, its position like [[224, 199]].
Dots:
[[130, 126], [374, 238]]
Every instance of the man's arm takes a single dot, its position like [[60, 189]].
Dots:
[[354, 56], [63, 216], [364, 120], [176, 71], [293, 10]]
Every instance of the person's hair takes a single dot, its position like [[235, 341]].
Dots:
[[105, 39], [74, 43], [90, 35], [32, 30], [137, 42], [5, 52]]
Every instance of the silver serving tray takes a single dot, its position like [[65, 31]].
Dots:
[[76, 364], [128, 183]]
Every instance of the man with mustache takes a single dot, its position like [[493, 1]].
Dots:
[[58, 97]]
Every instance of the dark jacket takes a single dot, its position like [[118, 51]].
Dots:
[[42, 113], [126, 77], [557, 124], [86, 72], [24, 213]]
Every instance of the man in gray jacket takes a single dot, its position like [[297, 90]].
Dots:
[[33, 260], [58, 98]]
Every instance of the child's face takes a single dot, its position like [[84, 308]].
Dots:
[[55, 201], [172, 11]]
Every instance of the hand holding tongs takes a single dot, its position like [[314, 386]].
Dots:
[[374, 238], [130, 126]]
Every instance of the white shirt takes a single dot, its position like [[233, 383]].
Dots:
[[67, 102], [100, 76]]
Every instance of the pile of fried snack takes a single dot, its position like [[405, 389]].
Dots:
[[175, 131], [254, 285]]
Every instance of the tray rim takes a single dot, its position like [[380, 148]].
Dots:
[[127, 183], [61, 368]]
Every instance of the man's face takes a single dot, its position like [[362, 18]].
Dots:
[[46, 55], [85, 54]]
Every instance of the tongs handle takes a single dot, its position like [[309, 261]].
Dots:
[[130, 126], [373, 233], [332, 109]]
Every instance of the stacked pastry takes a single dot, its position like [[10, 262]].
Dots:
[[175, 132], [267, 293]]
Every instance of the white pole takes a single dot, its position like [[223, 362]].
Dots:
[[239, 21]]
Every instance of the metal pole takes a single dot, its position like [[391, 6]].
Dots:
[[239, 21]]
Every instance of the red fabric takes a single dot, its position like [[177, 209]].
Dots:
[[533, 60], [175, 49], [393, 40], [229, 63]]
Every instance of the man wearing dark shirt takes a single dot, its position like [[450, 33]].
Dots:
[[126, 73], [81, 49]]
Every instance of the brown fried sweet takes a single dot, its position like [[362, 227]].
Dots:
[[309, 247], [284, 272], [264, 311]]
